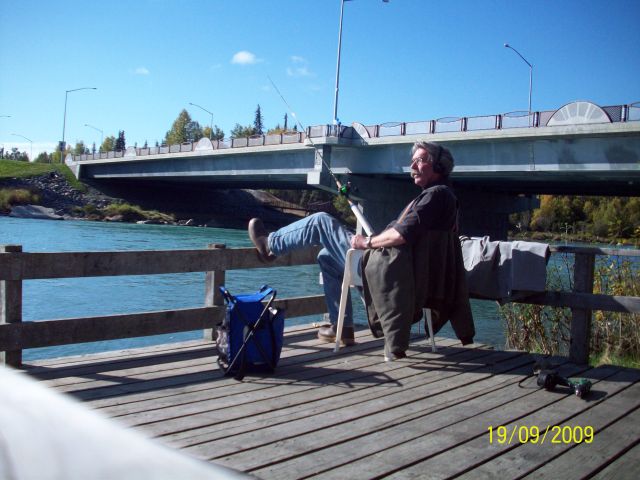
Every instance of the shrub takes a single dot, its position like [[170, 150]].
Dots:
[[614, 336], [10, 197]]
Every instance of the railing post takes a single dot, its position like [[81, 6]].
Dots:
[[11, 307], [212, 296], [583, 272]]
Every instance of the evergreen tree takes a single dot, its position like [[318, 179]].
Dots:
[[258, 123], [121, 144], [286, 118], [239, 131], [217, 133]]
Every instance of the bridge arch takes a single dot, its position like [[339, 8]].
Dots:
[[580, 113]]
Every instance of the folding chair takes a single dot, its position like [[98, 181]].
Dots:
[[353, 278]]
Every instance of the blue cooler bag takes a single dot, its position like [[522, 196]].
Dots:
[[251, 335]]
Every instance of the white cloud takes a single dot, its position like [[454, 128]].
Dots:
[[244, 57], [300, 67], [299, 72], [141, 71]]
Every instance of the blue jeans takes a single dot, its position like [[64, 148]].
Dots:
[[320, 229]]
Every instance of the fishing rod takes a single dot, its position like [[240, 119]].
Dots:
[[343, 189]]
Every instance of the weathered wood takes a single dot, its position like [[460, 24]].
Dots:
[[49, 333], [30, 265], [351, 415], [11, 308], [212, 296], [592, 301], [583, 273], [620, 252]]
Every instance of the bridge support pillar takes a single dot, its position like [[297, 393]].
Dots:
[[487, 213]]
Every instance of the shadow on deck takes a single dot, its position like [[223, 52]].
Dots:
[[351, 415]]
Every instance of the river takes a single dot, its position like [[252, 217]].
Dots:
[[84, 297]]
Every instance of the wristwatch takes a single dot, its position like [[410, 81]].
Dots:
[[368, 244]]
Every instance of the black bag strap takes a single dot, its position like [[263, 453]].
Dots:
[[250, 336]]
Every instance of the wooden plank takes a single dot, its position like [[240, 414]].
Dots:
[[242, 401], [110, 327], [395, 412], [344, 407], [212, 296], [11, 309], [384, 449], [310, 405], [625, 467], [592, 301], [620, 252], [125, 385], [28, 265], [609, 442], [48, 333], [613, 398], [583, 273]]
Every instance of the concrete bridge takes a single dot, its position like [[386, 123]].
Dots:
[[502, 161]]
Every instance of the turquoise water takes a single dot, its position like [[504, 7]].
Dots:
[[84, 297]]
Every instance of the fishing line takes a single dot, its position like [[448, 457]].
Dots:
[[342, 189]]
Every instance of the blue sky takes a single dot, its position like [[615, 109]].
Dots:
[[405, 60]]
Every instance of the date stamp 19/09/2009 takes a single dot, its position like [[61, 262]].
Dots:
[[554, 434]]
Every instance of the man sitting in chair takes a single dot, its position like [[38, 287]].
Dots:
[[415, 262]]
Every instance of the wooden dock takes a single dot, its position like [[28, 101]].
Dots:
[[350, 415]]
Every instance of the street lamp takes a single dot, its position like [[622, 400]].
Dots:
[[530, 76], [101, 133], [64, 121], [335, 100], [202, 108], [28, 140]]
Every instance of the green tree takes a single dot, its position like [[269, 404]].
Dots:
[[108, 144], [43, 157], [80, 149], [184, 129], [239, 131], [217, 133], [121, 143], [258, 122]]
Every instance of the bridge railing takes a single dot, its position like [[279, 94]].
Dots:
[[17, 266], [519, 119]]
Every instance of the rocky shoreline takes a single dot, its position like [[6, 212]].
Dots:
[[188, 206]]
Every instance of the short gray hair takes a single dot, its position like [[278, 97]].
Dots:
[[441, 157]]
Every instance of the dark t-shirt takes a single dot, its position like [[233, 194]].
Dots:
[[434, 209]]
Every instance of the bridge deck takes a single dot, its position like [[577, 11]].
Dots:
[[353, 416]]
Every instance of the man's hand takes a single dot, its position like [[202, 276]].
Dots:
[[389, 238], [359, 242]]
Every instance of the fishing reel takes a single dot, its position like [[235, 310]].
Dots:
[[548, 379], [345, 189]]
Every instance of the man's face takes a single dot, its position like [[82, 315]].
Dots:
[[422, 168]]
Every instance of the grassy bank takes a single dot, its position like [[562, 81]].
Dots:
[[19, 196], [17, 169]]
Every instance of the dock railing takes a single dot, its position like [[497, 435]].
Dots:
[[17, 266]]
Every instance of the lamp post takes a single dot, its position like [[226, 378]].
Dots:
[[101, 133], [28, 140], [530, 76], [64, 121], [335, 100], [202, 108]]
